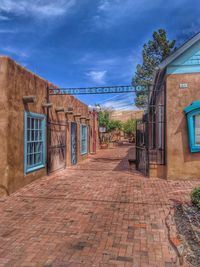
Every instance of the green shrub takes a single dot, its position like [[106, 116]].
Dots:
[[195, 197]]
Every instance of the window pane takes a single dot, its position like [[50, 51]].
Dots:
[[34, 144], [36, 158], [28, 160], [32, 135], [28, 148], [28, 135], [35, 124], [28, 123], [40, 124], [83, 139], [31, 159], [197, 129], [32, 123], [36, 135], [40, 135], [32, 148]]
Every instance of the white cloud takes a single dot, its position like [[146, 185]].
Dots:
[[7, 31], [97, 60], [120, 67], [4, 18], [114, 12], [123, 104], [118, 102], [97, 76], [111, 13], [37, 8], [104, 5], [14, 51]]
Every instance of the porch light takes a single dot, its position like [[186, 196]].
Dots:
[[193, 123]]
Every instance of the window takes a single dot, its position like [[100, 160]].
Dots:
[[197, 130], [83, 138], [193, 121], [34, 141]]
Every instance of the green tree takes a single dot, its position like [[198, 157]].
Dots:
[[114, 125], [110, 125], [129, 127], [103, 117], [154, 51]]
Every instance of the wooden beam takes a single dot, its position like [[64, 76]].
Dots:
[[29, 99], [47, 105], [77, 115], [69, 111], [59, 109]]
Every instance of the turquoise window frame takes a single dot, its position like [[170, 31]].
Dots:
[[41, 140], [83, 138], [191, 111]]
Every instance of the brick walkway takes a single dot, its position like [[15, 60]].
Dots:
[[95, 214]]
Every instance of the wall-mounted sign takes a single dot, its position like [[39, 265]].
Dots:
[[183, 85], [97, 90], [102, 129]]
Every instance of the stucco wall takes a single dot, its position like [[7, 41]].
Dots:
[[3, 128], [126, 115], [93, 131], [180, 162], [16, 82]]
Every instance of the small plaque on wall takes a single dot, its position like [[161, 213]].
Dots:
[[183, 85]]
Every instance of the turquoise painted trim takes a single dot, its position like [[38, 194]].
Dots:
[[182, 69], [191, 111], [193, 106], [188, 62], [83, 149], [43, 164]]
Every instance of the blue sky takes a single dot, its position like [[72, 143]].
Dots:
[[81, 43]]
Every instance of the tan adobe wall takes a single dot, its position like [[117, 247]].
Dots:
[[93, 130], [181, 163], [16, 82], [3, 128], [126, 114]]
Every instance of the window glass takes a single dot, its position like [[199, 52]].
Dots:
[[197, 129], [83, 139], [34, 141]]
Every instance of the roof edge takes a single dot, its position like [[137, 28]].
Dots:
[[179, 51]]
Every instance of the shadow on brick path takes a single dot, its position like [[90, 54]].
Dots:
[[97, 213]]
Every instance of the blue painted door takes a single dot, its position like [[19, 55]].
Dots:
[[73, 143]]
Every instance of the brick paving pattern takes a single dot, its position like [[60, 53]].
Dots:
[[98, 213]]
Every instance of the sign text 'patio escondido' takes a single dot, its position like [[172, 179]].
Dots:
[[97, 90]]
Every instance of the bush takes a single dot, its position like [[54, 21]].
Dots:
[[195, 197]]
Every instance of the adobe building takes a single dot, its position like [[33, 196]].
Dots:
[[124, 115], [39, 133], [168, 137]]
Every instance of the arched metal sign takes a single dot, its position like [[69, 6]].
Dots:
[[97, 90]]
